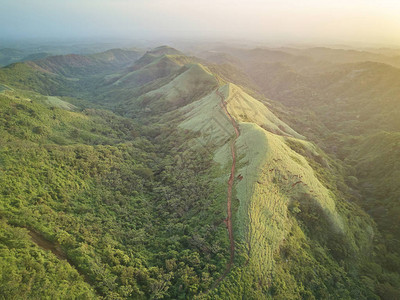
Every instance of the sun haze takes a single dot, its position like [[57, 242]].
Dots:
[[310, 21]]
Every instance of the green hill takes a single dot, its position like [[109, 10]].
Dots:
[[349, 107], [66, 74], [282, 193]]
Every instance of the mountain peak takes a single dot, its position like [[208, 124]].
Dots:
[[163, 50]]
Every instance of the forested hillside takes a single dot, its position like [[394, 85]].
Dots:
[[155, 175]]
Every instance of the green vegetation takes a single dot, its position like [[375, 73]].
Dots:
[[26, 271], [138, 218], [349, 107], [114, 170]]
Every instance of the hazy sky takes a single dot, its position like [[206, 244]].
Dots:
[[339, 21]]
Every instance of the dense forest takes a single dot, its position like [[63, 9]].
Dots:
[[134, 213]]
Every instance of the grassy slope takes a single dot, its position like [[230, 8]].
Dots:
[[270, 170], [187, 87], [245, 108], [167, 86], [272, 181], [350, 104], [155, 67]]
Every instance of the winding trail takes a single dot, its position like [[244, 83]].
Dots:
[[47, 245], [228, 220], [39, 240]]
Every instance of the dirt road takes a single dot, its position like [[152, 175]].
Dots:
[[47, 245], [228, 220]]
